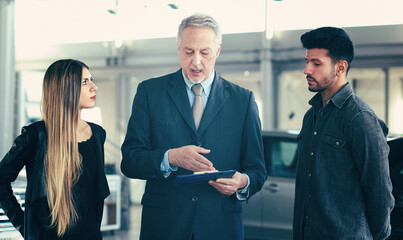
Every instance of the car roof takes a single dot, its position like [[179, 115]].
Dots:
[[280, 133]]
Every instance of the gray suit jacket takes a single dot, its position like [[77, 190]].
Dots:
[[162, 119]]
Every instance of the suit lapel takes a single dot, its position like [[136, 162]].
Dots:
[[216, 100], [178, 94]]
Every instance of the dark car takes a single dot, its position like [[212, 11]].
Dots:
[[268, 214], [396, 175]]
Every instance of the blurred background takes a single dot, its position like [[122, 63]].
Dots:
[[127, 41]]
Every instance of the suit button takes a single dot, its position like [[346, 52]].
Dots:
[[194, 199]]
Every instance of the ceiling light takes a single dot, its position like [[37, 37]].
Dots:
[[173, 6]]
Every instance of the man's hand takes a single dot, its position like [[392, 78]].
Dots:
[[190, 158], [229, 186]]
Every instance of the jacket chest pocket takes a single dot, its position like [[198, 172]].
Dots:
[[334, 150]]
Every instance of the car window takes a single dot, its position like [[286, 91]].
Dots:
[[280, 157]]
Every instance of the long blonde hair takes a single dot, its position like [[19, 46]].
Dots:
[[61, 94]]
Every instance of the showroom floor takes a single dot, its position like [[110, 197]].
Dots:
[[134, 230]]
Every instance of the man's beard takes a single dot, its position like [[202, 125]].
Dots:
[[328, 79]]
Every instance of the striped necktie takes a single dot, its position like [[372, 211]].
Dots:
[[198, 106]]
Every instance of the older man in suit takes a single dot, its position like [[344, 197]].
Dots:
[[166, 138]]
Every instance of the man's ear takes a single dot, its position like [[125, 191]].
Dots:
[[218, 50], [342, 66]]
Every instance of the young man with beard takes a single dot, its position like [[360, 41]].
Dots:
[[343, 189]]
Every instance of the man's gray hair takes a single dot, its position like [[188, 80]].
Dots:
[[200, 20]]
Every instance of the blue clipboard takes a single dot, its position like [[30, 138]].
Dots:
[[199, 178]]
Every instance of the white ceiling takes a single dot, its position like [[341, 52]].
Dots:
[[44, 22], [63, 21]]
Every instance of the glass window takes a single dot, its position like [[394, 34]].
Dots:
[[280, 157], [293, 99], [369, 84], [396, 100]]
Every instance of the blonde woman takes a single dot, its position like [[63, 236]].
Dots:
[[64, 160]]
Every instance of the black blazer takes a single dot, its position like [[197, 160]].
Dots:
[[29, 150], [162, 119]]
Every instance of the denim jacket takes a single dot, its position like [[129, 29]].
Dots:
[[343, 188]]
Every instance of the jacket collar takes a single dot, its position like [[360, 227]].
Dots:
[[177, 91], [338, 99]]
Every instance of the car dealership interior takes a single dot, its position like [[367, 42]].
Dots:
[[125, 42]]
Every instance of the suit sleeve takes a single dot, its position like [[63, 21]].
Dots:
[[139, 160], [10, 166], [252, 148]]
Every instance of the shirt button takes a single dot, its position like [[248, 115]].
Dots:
[[307, 217], [309, 196], [309, 174], [199, 144], [337, 143], [311, 153], [194, 199], [315, 133]]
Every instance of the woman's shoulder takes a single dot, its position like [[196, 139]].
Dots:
[[97, 129], [30, 135], [38, 126]]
